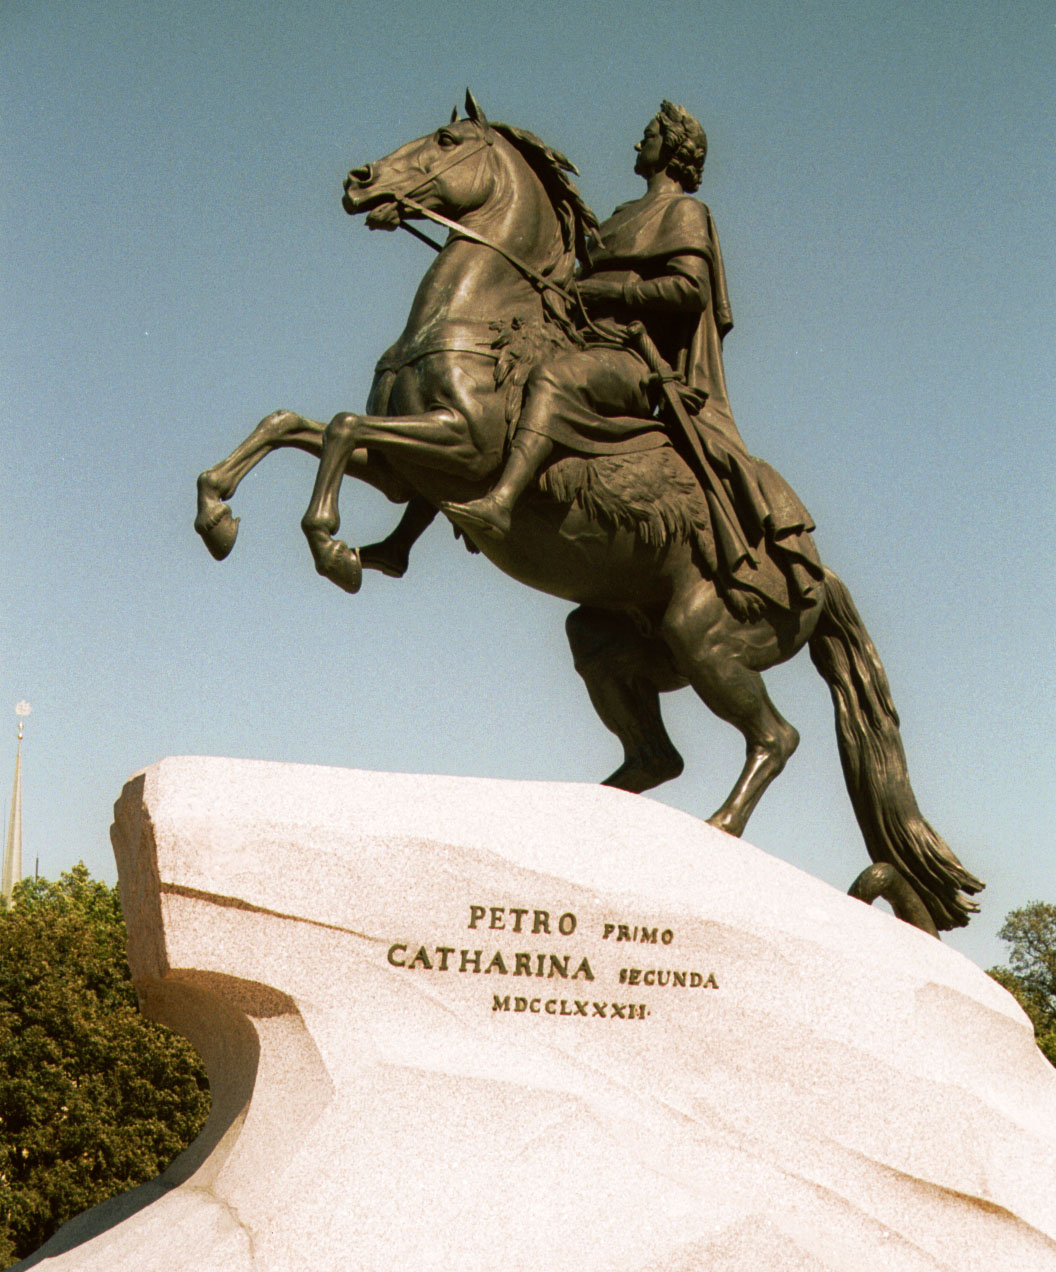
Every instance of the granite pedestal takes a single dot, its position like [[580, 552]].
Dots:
[[481, 1025]]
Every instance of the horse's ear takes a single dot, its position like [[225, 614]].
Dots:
[[454, 115], [473, 110]]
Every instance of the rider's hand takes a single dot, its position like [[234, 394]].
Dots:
[[597, 291]]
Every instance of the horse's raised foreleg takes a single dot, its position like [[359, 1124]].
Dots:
[[214, 521], [712, 650], [438, 438], [624, 673], [334, 559]]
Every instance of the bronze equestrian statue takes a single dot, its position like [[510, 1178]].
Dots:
[[558, 392]]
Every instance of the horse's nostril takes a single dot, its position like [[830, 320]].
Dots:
[[362, 176]]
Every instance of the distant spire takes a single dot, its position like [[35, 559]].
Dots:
[[13, 844]]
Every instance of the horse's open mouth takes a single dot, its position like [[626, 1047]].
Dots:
[[383, 212], [384, 216]]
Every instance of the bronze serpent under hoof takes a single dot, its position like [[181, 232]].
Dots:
[[885, 880]]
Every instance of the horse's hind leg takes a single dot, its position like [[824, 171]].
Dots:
[[624, 672], [214, 521], [713, 651]]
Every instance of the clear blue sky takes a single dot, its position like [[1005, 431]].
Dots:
[[176, 264]]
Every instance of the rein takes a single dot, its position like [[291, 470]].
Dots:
[[538, 281], [542, 284], [463, 232]]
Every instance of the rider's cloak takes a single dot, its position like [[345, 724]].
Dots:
[[765, 545], [641, 237]]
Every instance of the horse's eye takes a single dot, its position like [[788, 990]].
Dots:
[[446, 140]]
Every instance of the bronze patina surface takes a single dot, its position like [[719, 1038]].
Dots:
[[558, 392]]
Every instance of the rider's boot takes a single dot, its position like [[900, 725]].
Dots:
[[490, 515]]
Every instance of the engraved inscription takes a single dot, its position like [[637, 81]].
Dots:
[[519, 964], [499, 915], [552, 964], [664, 976], [642, 933], [571, 1007]]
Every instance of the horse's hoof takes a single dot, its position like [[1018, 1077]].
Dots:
[[726, 822], [218, 529], [642, 773], [379, 556], [341, 565]]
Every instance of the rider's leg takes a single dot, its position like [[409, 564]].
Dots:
[[391, 554], [491, 514], [582, 385]]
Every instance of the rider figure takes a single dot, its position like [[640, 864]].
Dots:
[[658, 262]]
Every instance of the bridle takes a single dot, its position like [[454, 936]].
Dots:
[[540, 282], [486, 140]]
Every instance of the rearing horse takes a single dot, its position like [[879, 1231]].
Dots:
[[650, 619]]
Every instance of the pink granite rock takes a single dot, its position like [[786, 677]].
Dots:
[[477, 1025]]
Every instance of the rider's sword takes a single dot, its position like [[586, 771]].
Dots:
[[669, 382]]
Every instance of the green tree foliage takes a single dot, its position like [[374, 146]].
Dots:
[[94, 1098], [1031, 972]]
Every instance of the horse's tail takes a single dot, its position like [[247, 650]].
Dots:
[[874, 764]]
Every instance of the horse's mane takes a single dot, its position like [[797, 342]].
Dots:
[[551, 167]]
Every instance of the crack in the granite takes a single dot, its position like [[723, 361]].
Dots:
[[237, 903]]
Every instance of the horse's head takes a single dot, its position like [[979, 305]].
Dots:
[[450, 171]]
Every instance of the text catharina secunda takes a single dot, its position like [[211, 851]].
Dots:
[[547, 965]]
